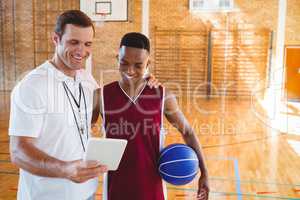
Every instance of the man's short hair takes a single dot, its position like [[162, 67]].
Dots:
[[137, 40], [74, 17]]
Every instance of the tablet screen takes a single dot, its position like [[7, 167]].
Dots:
[[106, 150]]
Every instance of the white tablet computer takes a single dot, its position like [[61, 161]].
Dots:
[[106, 150]]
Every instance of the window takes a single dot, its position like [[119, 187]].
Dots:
[[224, 3], [211, 5]]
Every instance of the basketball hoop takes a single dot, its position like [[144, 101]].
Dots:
[[101, 18]]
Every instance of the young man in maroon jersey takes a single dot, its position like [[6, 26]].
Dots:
[[133, 111]]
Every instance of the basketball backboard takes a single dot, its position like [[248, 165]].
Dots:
[[113, 10]]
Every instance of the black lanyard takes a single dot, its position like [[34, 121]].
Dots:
[[81, 92]]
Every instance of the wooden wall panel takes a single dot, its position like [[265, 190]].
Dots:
[[26, 28], [33, 22], [2, 72], [8, 44], [23, 45], [240, 61], [180, 60]]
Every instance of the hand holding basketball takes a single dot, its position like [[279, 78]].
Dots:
[[178, 164], [203, 188]]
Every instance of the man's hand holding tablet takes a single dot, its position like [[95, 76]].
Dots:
[[106, 150]]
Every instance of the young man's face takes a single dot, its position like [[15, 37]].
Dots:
[[74, 46], [133, 63]]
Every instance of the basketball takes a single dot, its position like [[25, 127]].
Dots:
[[178, 164]]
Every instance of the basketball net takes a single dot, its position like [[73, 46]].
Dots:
[[101, 19]]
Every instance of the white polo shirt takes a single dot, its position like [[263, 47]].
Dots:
[[40, 109]]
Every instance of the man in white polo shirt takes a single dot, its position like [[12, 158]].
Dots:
[[50, 119]]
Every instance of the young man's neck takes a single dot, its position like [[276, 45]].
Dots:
[[58, 64], [132, 85], [132, 88]]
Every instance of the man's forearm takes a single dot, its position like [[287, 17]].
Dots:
[[28, 157], [192, 141]]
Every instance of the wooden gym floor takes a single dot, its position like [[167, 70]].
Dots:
[[247, 156]]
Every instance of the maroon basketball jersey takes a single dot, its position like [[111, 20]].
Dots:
[[139, 122]]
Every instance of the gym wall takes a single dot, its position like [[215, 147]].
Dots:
[[26, 26]]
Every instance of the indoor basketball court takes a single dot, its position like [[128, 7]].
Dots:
[[234, 66]]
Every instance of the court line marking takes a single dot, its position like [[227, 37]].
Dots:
[[238, 179], [236, 173], [235, 194], [223, 179], [216, 178], [239, 194], [212, 192], [237, 143], [255, 181]]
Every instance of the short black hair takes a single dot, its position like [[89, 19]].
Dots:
[[135, 39], [75, 17]]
